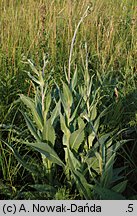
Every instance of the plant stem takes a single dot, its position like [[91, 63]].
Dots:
[[73, 40]]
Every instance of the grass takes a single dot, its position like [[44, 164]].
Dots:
[[105, 44], [39, 27]]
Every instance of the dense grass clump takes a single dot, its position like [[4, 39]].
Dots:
[[30, 27], [79, 89]]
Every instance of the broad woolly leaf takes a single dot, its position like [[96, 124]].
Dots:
[[33, 67], [47, 105], [91, 137], [107, 194], [45, 89], [76, 138], [73, 161], [63, 101], [67, 95], [86, 78], [117, 174], [93, 112], [82, 185], [48, 101], [75, 111], [107, 173], [33, 78], [81, 123], [113, 148], [48, 132], [64, 127], [41, 79], [103, 139], [46, 150], [30, 104], [31, 126], [38, 104], [89, 87], [99, 158], [55, 112], [93, 131], [65, 140], [120, 187], [93, 164], [102, 145]]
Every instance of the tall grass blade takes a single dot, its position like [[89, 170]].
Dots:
[[27, 166]]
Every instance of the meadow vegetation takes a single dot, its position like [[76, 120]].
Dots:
[[68, 117]]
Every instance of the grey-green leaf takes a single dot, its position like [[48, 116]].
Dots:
[[64, 127], [107, 194], [67, 95], [55, 112], [120, 187], [30, 104], [47, 105], [76, 138], [45, 149], [31, 126], [33, 78], [48, 132], [33, 67], [93, 112], [79, 178]]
